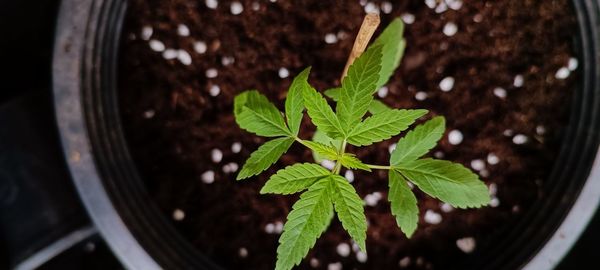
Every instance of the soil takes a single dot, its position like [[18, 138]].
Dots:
[[173, 123]]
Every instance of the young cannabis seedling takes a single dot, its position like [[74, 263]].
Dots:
[[325, 192]]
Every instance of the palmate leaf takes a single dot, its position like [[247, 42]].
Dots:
[[351, 162], [309, 218], [321, 114], [294, 102], [264, 157], [403, 203], [326, 151], [383, 126], [450, 182], [418, 141], [376, 106], [358, 88], [321, 137], [294, 178], [350, 210], [255, 113], [392, 40]]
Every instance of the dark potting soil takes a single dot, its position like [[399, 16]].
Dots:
[[177, 113]]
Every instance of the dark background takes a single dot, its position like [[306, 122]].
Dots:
[[38, 203]]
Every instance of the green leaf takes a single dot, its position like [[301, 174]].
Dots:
[[350, 210], [383, 126], [403, 203], [254, 113], [321, 114], [321, 137], [309, 218], [376, 105], [351, 162], [393, 44], [264, 157], [294, 178], [294, 103], [450, 182], [326, 151], [358, 88], [418, 141]]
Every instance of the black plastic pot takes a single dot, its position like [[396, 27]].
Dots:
[[85, 71]]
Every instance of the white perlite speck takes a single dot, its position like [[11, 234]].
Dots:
[[330, 38], [349, 175], [211, 73], [484, 173], [212, 4], [492, 159], [573, 64], [420, 96], [361, 257], [508, 132], [446, 208], [283, 73], [169, 54], [270, 228], [520, 139], [156, 45], [227, 60], [149, 114], [371, 7], [441, 8], [183, 30], [454, 4], [562, 73], [200, 47], [500, 92], [243, 252], [386, 7], [146, 32], [450, 29], [431, 3], [214, 90], [230, 167], [408, 18], [236, 8], [343, 249], [438, 154], [493, 189], [314, 263], [372, 199], [455, 137], [278, 227], [328, 164], [256, 6], [334, 266], [540, 130], [404, 262], [236, 147], [383, 92], [467, 244], [216, 155], [432, 217], [208, 177], [447, 84], [178, 215], [184, 57], [494, 202], [519, 81], [362, 2], [477, 164], [392, 147], [478, 18]]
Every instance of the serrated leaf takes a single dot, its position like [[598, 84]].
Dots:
[[321, 113], [294, 102], [350, 210], [403, 203], [383, 126], [393, 44], [309, 218], [255, 113], [264, 157], [351, 162], [377, 106], [294, 178], [326, 151], [418, 141], [358, 88], [321, 137], [450, 182]]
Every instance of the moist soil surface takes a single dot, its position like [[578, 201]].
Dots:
[[178, 112]]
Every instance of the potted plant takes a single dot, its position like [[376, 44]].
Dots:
[[179, 206]]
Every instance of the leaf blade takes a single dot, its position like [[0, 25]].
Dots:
[[321, 137], [450, 182], [350, 210], [383, 126], [326, 151], [393, 42], [403, 203], [264, 157], [294, 178], [351, 162], [294, 102], [418, 141], [321, 113], [256, 114]]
